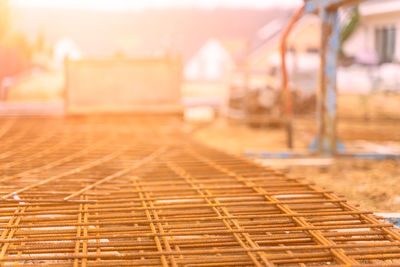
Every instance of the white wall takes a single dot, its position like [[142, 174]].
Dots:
[[123, 85], [363, 80]]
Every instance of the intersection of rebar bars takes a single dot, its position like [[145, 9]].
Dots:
[[137, 191]]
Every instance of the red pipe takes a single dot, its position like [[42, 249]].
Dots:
[[287, 96], [288, 106]]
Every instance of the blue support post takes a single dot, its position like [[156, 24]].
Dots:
[[327, 95], [326, 143]]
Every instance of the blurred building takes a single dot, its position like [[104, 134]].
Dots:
[[209, 71], [66, 48], [375, 47], [216, 59], [212, 62], [377, 32], [302, 51]]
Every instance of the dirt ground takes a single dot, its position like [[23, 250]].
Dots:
[[373, 185], [372, 120]]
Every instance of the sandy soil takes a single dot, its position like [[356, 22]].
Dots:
[[373, 185]]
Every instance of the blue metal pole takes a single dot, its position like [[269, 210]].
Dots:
[[327, 95]]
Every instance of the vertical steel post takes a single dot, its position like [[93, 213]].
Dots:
[[327, 95]]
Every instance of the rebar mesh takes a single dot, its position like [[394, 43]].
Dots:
[[137, 191]]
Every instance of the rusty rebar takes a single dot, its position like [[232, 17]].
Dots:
[[137, 191]]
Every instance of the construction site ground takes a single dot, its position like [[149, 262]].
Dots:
[[372, 184], [126, 191], [141, 191], [371, 120]]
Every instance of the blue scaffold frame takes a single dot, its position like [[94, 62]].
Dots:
[[326, 142]]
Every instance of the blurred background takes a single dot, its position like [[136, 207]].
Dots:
[[219, 63]]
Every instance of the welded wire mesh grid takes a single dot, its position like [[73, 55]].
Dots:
[[119, 191]]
